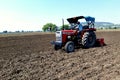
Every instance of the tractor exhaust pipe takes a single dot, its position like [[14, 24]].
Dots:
[[63, 23]]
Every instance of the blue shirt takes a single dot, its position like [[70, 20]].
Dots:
[[80, 27]]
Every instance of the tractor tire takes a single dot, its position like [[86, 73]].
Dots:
[[69, 47], [88, 39]]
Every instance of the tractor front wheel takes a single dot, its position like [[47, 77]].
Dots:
[[69, 47]]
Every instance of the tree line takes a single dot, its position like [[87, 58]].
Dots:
[[52, 27]]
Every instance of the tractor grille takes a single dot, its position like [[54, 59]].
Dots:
[[58, 38]]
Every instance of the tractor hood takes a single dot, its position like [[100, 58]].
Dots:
[[69, 32]]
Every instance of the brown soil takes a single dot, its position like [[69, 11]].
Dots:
[[32, 57]]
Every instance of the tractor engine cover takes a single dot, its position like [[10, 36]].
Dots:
[[66, 33]]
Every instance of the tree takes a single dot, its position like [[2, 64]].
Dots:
[[114, 27], [49, 27], [5, 31], [66, 26]]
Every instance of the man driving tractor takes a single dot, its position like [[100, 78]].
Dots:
[[79, 28]]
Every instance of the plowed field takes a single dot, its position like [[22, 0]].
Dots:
[[31, 57]]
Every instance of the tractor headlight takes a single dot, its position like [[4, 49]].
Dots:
[[69, 37]]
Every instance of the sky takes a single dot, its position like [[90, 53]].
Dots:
[[31, 15]]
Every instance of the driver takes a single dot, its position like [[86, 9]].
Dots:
[[79, 28]]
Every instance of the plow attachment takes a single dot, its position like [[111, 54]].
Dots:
[[100, 42]]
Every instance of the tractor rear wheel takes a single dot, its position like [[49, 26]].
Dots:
[[69, 47], [88, 39]]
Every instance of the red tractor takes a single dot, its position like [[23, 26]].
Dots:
[[72, 38]]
